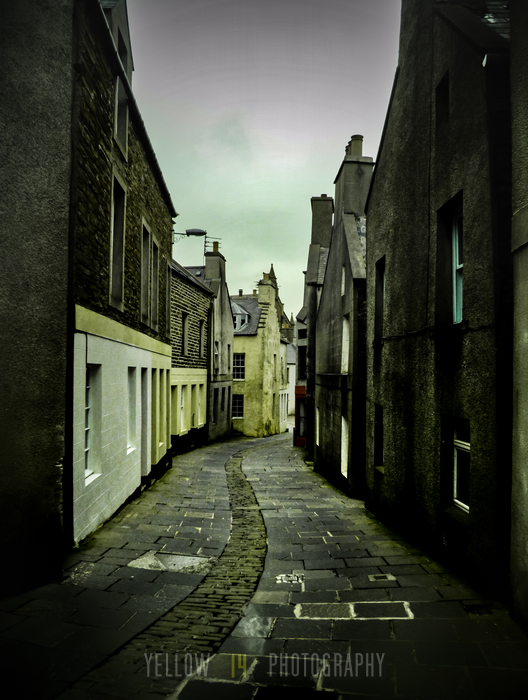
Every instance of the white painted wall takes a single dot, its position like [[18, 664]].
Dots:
[[118, 467]]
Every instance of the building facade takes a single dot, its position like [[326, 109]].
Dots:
[[439, 290], [340, 369], [259, 361], [97, 330], [220, 346], [322, 218], [191, 303]]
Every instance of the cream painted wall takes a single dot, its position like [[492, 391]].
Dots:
[[127, 437], [195, 401]]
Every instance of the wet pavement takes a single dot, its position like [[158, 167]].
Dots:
[[243, 574]]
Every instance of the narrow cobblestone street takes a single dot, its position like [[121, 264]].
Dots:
[[243, 574]]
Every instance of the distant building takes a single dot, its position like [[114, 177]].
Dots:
[[191, 302], [439, 290], [86, 243], [340, 368], [322, 212], [259, 361], [291, 364], [220, 344]]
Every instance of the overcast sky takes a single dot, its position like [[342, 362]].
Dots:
[[249, 105]]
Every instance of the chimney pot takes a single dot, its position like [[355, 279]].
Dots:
[[324, 195], [239, 292], [215, 246], [356, 145], [254, 292]]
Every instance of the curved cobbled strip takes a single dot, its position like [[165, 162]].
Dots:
[[201, 622]]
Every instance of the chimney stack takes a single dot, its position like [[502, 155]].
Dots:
[[322, 213]]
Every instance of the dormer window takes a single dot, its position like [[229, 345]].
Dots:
[[240, 321]]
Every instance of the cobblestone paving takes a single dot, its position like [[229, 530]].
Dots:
[[173, 598]]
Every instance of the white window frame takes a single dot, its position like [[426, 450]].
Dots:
[[459, 445], [457, 242], [238, 408], [239, 366]]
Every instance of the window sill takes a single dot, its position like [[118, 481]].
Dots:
[[237, 417], [239, 380], [130, 449], [123, 149], [381, 470], [90, 479], [457, 514]]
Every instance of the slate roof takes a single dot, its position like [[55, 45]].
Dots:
[[199, 272], [250, 306], [188, 276], [498, 17], [291, 354]]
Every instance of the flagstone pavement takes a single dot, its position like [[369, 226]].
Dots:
[[243, 574]]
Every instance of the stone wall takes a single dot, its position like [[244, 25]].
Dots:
[[427, 372], [187, 298], [98, 157]]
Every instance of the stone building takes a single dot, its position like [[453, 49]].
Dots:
[[190, 336], [260, 393], [439, 289], [519, 246], [86, 244], [220, 345], [340, 370], [322, 215]]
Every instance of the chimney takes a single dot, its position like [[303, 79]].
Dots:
[[254, 292], [215, 246], [322, 212], [353, 180]]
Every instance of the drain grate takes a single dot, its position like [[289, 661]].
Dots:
[[381, 577]]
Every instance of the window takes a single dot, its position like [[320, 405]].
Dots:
[[185, 333], [442, 102], [121, 115], [378, 435], [316, 425], [344, 446], [215, 405], [240, 320], [216, 355], [449, 262], [379, 301], [301, 359], [201, 339], [117, 245], [238, 405], [222, 403], [239, 365], [88, 423], [92, 423], [343, 281], [193, 405], [168, 302], [345, 344], [155, 286], [145, 275], [458, 264], [131, 428], [182, 408], [228, 399], [200, 391], [229, 358], [302, 333], [461, 443], [122, 51]]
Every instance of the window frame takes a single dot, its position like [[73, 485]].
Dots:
[[457, 256], [117, 243], [239, 366], [239, 407], [462, 446]]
